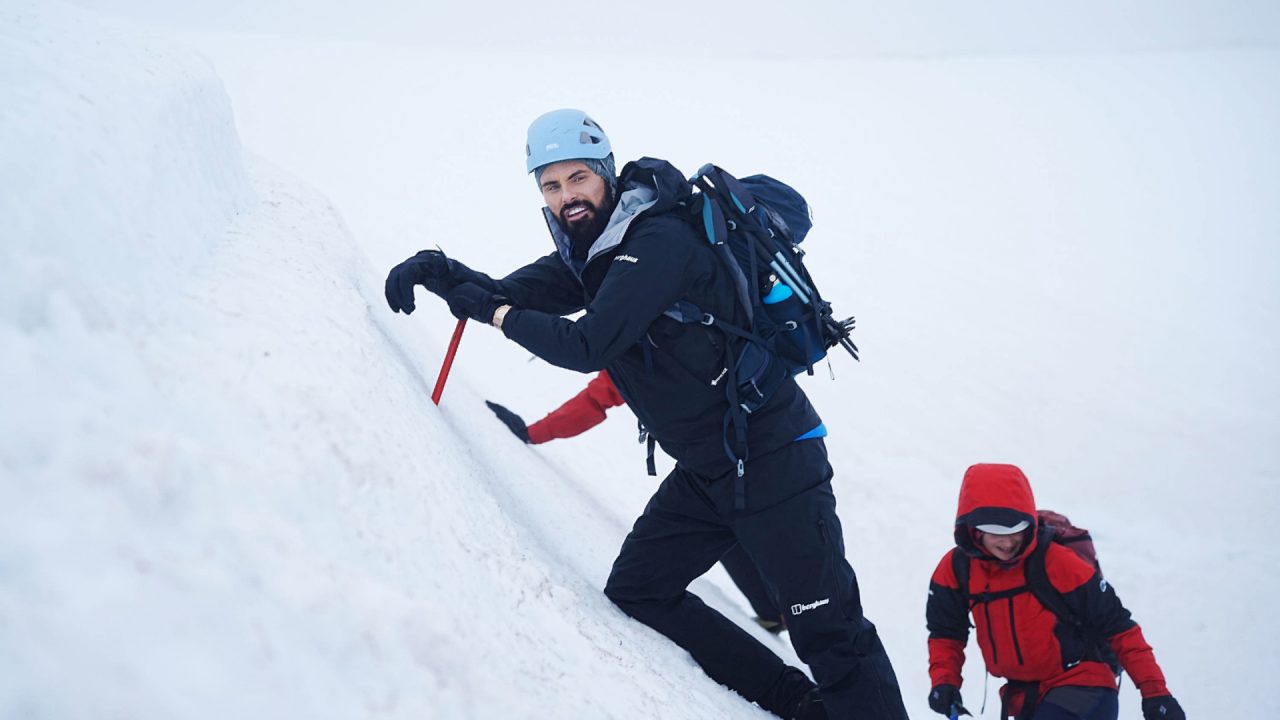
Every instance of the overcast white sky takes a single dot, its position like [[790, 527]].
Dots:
[[808, 28]]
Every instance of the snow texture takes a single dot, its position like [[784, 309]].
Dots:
[[225, 492]]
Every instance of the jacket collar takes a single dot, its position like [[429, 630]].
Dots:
[[647, 185], [631, 204]]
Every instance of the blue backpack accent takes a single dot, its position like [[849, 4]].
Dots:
[[755, 226], [818, 432]]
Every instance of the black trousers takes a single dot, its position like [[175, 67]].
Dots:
[[791, 532], [742, 570]]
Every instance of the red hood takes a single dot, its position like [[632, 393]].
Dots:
[[994, 494]]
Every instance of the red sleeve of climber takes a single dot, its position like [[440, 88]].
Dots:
[[581, 413]]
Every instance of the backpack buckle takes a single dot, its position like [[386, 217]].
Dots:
[[708, 319]]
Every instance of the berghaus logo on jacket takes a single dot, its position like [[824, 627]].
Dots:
[[799, 608], [627, 258]]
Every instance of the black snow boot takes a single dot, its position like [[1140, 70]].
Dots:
[[790, 695], [773, 627], [811, 707]]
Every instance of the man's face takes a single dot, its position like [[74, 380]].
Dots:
[[577, 197], [1004, 547]]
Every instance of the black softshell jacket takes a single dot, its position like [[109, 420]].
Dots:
[[670, 373]]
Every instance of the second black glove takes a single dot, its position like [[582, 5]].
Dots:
[[943, 697], [514, 422], [429, 268], [470, 301], [1163, 707]]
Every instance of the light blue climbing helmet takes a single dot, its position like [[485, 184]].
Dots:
[[565, 135]]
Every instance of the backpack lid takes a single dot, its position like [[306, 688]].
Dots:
[[787, 209]]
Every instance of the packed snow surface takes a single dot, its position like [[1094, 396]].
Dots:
[[224, 489]]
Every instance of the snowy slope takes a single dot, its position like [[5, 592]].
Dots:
[[217, 495], [225, 491]]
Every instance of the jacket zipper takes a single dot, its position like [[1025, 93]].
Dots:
[[1013, 630], [991, 635]]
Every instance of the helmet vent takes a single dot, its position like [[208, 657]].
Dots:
[[565, 134]]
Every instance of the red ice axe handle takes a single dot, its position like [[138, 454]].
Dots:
[[448, 361]]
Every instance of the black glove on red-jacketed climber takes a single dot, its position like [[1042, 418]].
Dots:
[[1163, 707], [514, 422], [943, 697]]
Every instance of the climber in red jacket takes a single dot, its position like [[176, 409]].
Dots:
[[1020, 586], [586, 410]]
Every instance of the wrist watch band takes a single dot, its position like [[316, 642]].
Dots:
[[499, 315]]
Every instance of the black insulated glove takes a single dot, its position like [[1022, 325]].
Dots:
[[1163, 707], [469, 301], [429, 268], [513, 421], [943, 697]]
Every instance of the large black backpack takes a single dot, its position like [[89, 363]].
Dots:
[[755, 226]]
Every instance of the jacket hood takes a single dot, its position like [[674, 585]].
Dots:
[[994, 494], [646, 186], [671, 185]]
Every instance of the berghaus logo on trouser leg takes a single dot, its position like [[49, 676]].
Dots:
[[799, 608]]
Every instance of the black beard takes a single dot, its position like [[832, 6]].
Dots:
[[584, 234]]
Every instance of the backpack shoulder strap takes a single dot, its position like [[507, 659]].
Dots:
[[715, 226], [960, 568], [1038, 580], [1044, 591]]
